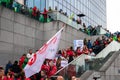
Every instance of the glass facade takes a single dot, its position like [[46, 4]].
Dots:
[[94, 10]]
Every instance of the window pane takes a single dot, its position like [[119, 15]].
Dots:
[[30, 3], [42, 5], [60, 6], [47, 4], [64, 9], [64, 3], [37, 3], [72, 2], [50, 3], [55, 4], [68, 12], [68, 6]]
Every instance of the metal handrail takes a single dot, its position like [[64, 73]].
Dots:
[[56, 15]]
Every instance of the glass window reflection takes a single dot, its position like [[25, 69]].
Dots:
[[95, 10]]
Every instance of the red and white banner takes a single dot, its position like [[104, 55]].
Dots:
[[48, 51]]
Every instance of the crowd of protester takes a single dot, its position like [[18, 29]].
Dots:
[[15, 71], [50, 67], [15, 76], [115, 36], [31, 12], [90, 30]]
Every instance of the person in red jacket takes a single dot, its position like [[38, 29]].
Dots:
[[53, 69], [21, 61], [34, 13], [70, 53], [10, 75], [45, 15], [45, 66], [2, 75], [85, 50], [78, 51]]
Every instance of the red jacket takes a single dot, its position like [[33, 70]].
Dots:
[[52, 71], [41, 78], [85, 51], [79, 52], [46, 68], [27, 79], [96, 42], [10, 78], [34, 11], [70, 53], [5, 78], [21, 61], [45, 13]]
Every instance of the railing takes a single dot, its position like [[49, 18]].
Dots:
[[59, 16], [55, 15], [97, 63]]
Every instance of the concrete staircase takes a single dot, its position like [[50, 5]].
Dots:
[[109, 71]]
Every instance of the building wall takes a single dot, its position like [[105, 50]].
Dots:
[[19, 33]]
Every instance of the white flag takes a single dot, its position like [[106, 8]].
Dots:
[[48, 50]]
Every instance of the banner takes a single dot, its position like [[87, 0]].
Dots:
[[47, 51], [64, 63], [78, 43]]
